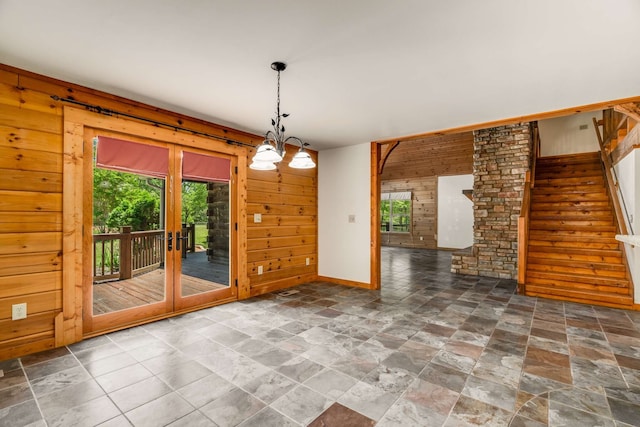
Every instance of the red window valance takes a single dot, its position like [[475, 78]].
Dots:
[[200, 167], [151, 160], [132, 157]]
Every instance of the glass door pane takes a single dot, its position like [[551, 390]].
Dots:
[[205, 237], [203, 263], [128, 241]]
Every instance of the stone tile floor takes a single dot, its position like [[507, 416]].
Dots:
[[430, 349]]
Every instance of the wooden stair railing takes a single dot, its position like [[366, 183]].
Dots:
[[525, 212], [612, 185]]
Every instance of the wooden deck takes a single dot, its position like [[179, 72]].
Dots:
[[198, 275]]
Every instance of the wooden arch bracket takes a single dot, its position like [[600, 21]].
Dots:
[[389, 147]]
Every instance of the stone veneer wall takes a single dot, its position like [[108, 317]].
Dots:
[[218, 220], [501, 158]]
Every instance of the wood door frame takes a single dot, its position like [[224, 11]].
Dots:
[[231, 292], [137, 314], [68, 324]]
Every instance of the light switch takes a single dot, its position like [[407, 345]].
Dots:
[[257, 217], [352, 218]]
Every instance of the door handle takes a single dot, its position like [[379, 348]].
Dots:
[[170, 242], [178, 240]]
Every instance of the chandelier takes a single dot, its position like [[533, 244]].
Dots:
[[272, 149]]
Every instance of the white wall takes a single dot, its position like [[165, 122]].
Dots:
[[563, 135], [628, 171], [344, 183], [455, 212]]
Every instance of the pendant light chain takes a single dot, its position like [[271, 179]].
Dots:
[[278, 98], [279, 130]]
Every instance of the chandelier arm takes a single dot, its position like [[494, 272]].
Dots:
[[302, 144], [271, 136]]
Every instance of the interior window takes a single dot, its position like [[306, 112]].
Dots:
[[395, 212]]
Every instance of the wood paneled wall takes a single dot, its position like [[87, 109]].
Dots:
[[431, 156], [415, 166], [31, 206], [423, 212], [288, 203]]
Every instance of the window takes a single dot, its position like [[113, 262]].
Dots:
[[395, 212]]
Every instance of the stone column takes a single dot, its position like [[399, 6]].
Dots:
[[501, 158], [218, 220]]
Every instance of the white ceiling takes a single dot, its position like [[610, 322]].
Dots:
[[358, 70]]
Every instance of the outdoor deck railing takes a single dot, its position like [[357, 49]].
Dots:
[[118, 256]]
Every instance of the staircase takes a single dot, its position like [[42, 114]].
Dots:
[[572, 252]]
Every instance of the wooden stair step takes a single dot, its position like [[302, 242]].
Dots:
[[572, 206], [573, 235], [553, 197], [581, 296], [572, 226], [574, 189], [553, 174], [574, 221], [593, 156], [571, 215], [570, 218], [560, 182], [575, 263], [566, 162], [579, 243], [576, 254], [570, 159], [601, 270], [568, 171], [564, 287], [542, 196], [569, 279]]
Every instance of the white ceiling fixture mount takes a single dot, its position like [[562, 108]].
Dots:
[[272, 149]]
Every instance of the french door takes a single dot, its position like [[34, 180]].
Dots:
[[161, 240]]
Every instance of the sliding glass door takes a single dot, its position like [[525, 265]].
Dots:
[[161, 236]]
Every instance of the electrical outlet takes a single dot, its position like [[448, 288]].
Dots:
[[257, 218], [308, 261], [19, 311], [260, 269], [421, 237]]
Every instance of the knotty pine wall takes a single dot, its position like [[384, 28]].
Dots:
[[415, 166], [287, 199], [31, 206]]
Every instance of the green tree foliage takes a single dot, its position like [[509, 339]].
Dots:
[[395, 215], [141, 213], [121, 199], [194, 202]]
